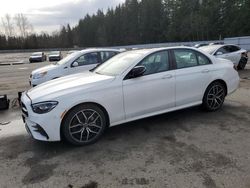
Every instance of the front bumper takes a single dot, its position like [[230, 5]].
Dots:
[[35, 82], [56, 58], [44, 127], [38, 59]]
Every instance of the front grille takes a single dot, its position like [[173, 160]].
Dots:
[[24, 110]]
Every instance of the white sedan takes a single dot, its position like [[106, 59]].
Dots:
[[130, 86], [74, 63], [228, 51]]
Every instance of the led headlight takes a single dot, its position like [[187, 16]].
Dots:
[[44, 107], [39, 75]]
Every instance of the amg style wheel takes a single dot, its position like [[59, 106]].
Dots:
[[214, 96], [84, 124]]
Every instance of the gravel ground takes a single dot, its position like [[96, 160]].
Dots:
[[186, 148]]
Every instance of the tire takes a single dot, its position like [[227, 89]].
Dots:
[[214, 97], [242, 63], [84, 124]]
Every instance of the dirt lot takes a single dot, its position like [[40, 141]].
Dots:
[[186, 148], [15, 78]]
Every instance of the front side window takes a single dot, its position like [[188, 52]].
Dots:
[[223, 50], [88, 59], [155, 63], [185, 58]]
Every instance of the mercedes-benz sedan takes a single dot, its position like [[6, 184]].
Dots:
[[130, 86]]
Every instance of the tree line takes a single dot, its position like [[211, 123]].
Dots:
[[141, 22]]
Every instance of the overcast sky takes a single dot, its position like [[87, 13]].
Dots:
[[50, 15]]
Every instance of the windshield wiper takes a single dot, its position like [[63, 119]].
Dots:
[[98, 73], [92, 70]]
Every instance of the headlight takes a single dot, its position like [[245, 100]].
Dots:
[[39, 75], [44, 107]]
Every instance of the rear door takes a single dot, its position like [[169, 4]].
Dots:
[[235, 54], [193, 74], [229, 52]]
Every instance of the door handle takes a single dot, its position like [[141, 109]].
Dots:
[[167, 76], [205, 71]]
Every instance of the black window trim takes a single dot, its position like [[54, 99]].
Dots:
[[195, 52], [169, 60]]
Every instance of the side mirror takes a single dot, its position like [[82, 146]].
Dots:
[[219, 53], [137, 72], [75, 64]]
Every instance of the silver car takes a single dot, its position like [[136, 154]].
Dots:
[[228, 51]]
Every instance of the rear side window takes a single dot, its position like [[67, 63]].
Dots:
[[233, 48], [185, 58], [203, 60]]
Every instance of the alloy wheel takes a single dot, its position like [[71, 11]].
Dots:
[[85, 125], [215, 97]]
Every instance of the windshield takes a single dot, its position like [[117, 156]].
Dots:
[[37, 53], [68, 58], [118, 64], [209, 49]]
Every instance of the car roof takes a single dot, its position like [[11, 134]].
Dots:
[[152, 50], [212, 48], [98, 50]]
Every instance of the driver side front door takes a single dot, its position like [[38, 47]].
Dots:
[[152, 92]]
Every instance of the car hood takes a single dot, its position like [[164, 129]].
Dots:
[[45, 68], [68, 85]]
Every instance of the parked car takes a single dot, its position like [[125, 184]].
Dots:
[[55, 56], [227, 51], [74, 63], [37, 57], [130, 86]]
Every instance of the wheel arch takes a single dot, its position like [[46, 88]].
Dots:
[[84, 103], [222, 82]]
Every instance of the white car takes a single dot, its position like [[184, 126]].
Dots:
[[130, 86], [228, 51], [37, 57], [55, 56], [74, 63]]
